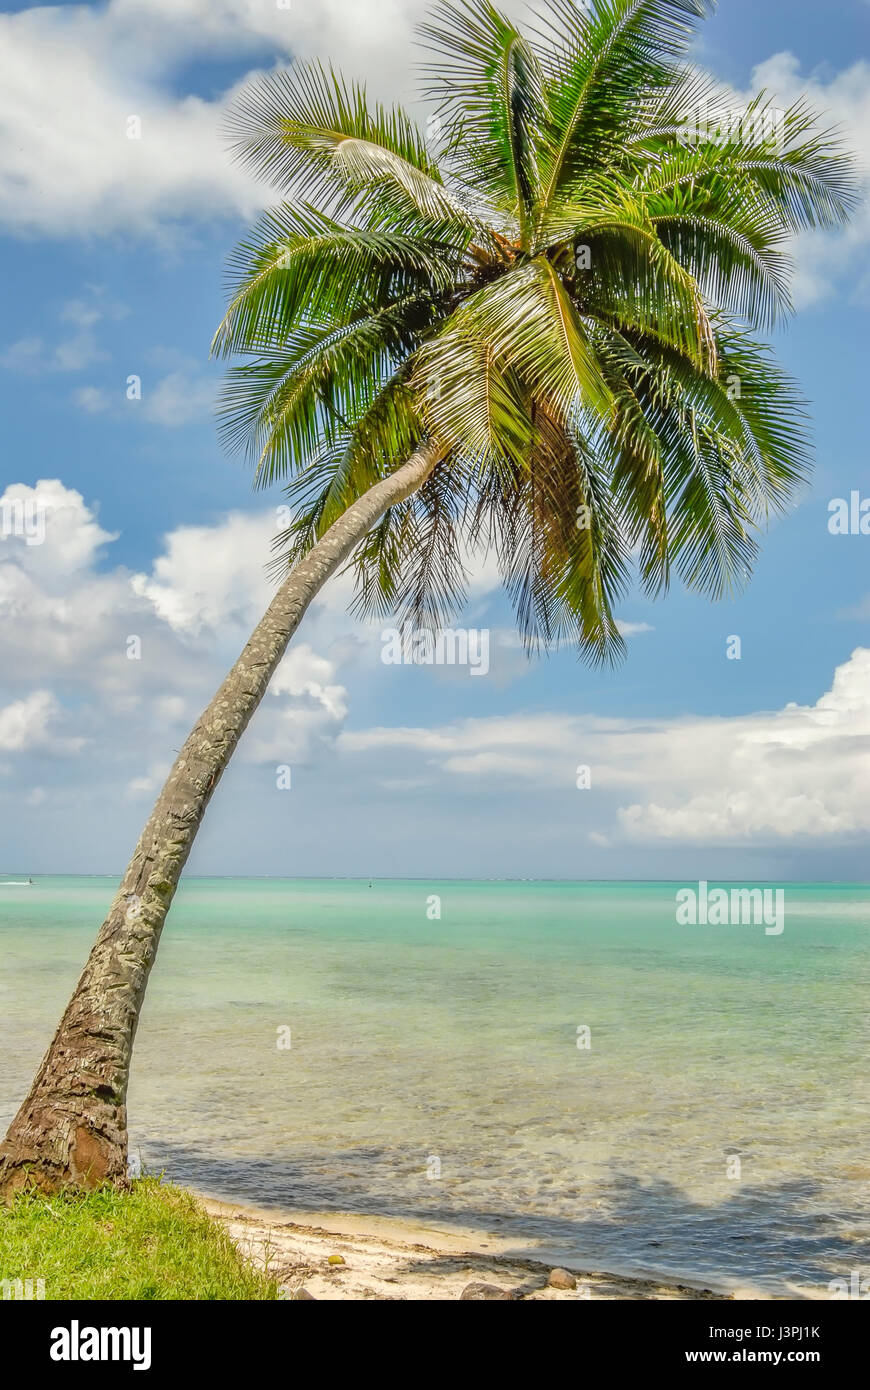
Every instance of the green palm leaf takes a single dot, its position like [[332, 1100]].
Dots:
[[564, 299]]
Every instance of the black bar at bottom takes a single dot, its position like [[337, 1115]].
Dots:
[[60, 1339]]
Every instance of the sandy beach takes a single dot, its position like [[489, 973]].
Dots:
[[346, 1256]]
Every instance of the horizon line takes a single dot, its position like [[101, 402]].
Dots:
[[454, 878]]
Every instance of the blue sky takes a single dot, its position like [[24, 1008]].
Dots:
[[113, 258]]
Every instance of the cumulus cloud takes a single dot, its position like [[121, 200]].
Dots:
[[97, 137], [208, 579], [29, 724], [77, 82], [822, 259], [799, 773], [790, 775], [303, 672], [72, 535], [132, 658], [70, 79]]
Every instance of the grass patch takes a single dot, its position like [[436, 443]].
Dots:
[[154, 1242]]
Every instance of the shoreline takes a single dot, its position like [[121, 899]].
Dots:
[[394, 1258]]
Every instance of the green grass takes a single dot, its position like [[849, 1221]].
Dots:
[[154, 1242]]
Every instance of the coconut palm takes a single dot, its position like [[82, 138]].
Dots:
[[533, 331]]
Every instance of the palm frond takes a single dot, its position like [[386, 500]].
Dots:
[[566, 296], [603, 61], [305, 128], [299, 262], [487, 83]]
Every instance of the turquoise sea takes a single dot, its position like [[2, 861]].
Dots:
[[434, 1069]]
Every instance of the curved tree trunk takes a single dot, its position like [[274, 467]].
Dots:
[[72, 1128]]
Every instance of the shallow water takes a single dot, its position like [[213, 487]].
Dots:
[[421, 1046]]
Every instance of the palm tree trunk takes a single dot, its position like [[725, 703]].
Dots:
[[72, 1128]]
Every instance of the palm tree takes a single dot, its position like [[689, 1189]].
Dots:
[[538, 338]]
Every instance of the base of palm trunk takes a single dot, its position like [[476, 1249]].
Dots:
[[51, 1146]]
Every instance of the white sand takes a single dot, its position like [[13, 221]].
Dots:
[[396, 1259]]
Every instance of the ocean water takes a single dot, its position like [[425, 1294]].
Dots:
[[434, 1070]]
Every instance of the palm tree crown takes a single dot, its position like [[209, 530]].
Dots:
[[565, 291]]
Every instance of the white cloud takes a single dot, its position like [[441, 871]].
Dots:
[[180, 398], [822, 258], [288, 736], [81, 312], [790, 776], [72, 534], [92, 399], [32, 355], [72, 354], [795, 774], [25, 355], [209, 577], [26, 725], [150, 782], [71, 78], [68, 620], [175, 391], [303, 672]]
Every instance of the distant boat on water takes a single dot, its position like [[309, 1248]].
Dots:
[[17, 883]]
